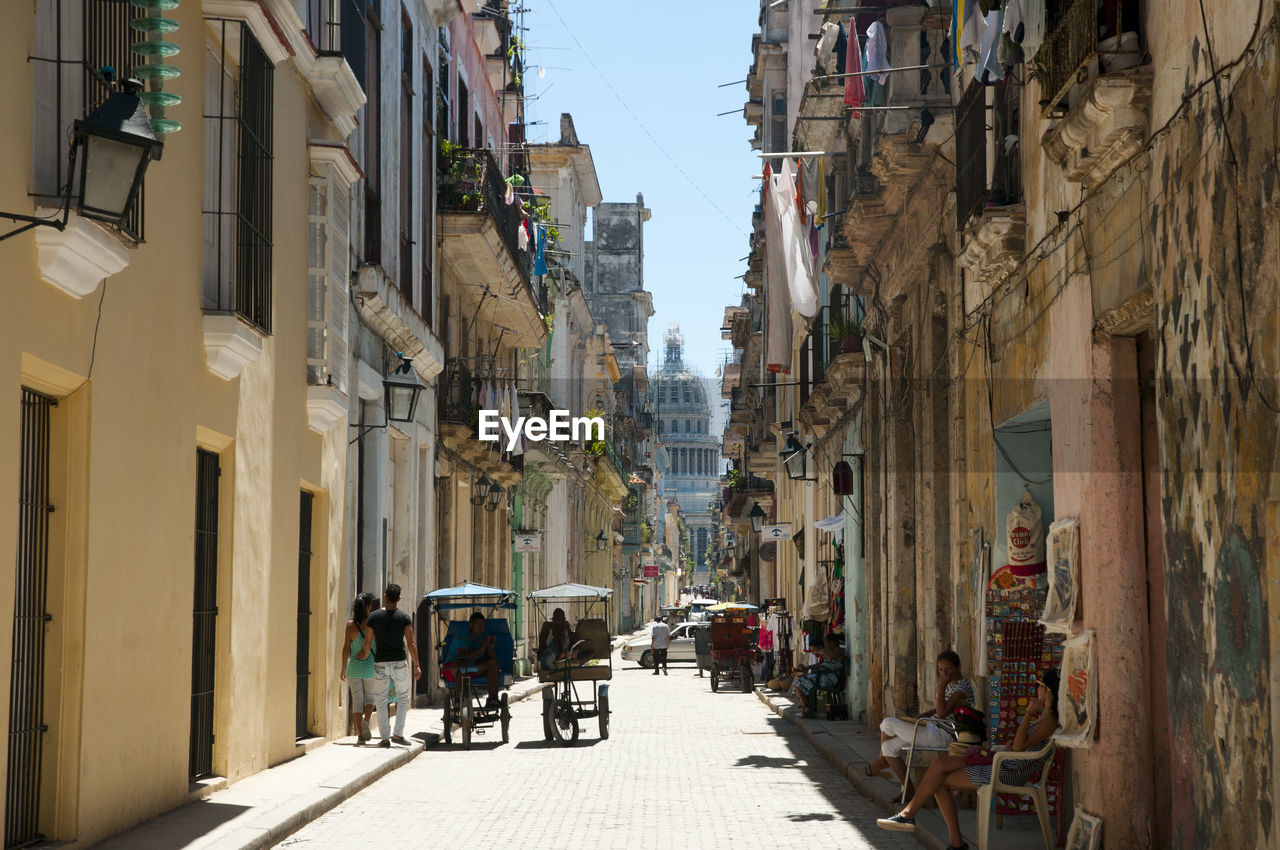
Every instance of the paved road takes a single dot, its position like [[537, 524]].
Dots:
[[683, 768]]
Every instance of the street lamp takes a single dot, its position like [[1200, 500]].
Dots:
[[794, 459], [494, 497], [480, 491], [601, 541], [115, 144], [757, 517], [402, 388]]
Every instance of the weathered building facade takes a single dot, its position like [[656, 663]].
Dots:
[[1066, 279]]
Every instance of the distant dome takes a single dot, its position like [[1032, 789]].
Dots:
[[678, 389]]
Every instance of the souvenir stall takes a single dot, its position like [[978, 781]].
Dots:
[[775, 639], [1018, 648]]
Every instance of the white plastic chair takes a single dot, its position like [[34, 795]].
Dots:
[[1033, 790]]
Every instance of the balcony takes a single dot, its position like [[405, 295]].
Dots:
[[832, 365], [480, 242], [1072, 43], [459, 419]]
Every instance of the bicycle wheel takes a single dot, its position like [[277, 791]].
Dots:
[[715, 679], [448, 718], [505, 714], [564, 722], [466, 726]]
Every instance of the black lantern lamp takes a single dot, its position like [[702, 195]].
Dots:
[[480, 491], [601, 541], [402, 387], [794, 459], [757, 517], [114, 143], [494, 497]]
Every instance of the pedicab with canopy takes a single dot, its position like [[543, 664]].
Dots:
[[589, 660], [466, 683], [733, 645]]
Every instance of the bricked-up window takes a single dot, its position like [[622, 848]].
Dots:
[[373, 136], [238, 169], [407, 275], [428, 191], [73, 39]]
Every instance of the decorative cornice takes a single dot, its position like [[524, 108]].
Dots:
[[338, 156], [386, 311], [79, 257], [255, 15], [1106, 127], [1132, 317], [326, 405], [230, 344], [337, 91], [994, 246]]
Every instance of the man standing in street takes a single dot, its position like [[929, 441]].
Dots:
[[392, 635], [660, 642]]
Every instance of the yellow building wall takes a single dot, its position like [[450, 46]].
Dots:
[[118, 680]]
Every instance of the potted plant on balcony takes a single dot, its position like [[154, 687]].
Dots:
[[846, 333], [460, 176]]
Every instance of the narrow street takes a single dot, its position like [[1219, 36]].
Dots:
[[683, 767]]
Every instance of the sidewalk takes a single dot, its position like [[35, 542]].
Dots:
[[264, 808], [849, 746]]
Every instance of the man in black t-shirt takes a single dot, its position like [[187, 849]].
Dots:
[[392, 636]]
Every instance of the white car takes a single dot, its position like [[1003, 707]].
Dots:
[[681, 649]]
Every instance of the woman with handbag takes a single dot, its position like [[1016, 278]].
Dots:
[[953, 691], [973, 769]]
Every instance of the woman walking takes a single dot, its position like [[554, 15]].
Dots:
[[357, 663]]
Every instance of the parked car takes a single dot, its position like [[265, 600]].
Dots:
[[641, 652]]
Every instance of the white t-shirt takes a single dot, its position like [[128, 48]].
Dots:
[[661, 636]]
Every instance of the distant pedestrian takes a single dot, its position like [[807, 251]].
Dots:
[[357, 664], [393, 636], [660, 642]]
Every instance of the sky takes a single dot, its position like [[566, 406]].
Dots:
[[641, 81]]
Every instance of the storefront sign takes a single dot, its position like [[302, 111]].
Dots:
[[528, 542], [779, 531], [650, 570]]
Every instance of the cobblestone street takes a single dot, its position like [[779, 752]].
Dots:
[[683, 768]]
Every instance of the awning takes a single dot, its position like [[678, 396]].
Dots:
[[572, 590], [831, 523]]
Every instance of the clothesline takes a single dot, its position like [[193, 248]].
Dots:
[[879, 71]]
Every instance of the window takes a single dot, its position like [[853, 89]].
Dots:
[[373, 139], [428, 193], [407, 277], [442, 93], [778, 123], [978, 134], [479, 136], [464, 114], [324, 26], [238, 169], [73, 39]]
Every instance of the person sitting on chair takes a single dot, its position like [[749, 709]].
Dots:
[[973, 770], [556, 641], [953, 690], [476, 650], [825, 674]]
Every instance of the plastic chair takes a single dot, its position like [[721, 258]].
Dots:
[[1033, 790]]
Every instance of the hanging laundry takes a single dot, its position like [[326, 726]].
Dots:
[[777, 321], [989, 70], [825, 49], [1024, 21], [961, 19], [841, 49], [800, 196], [822, 189], [810, 183], [877, 59], [801, 280], [522, 235], [540, 240], [854, 92]]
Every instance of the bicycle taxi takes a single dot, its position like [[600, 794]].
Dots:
[[733, 645], [466, 684], [586, 659]]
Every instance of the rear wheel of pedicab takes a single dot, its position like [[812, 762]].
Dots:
[[564, 722], [505, 714], [448, 717], [602, 704], [746, 677], [715, 679], [547, 705], [465, 720]]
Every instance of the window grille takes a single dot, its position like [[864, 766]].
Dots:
[[238, 168], [73, 39]]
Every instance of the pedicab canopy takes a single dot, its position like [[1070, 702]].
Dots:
[[572, 590], [732, 606], [468, 594]]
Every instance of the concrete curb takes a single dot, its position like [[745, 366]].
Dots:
[[281, 822], [852, 770]]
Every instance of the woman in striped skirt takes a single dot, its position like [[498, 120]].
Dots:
[[953, 773]]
